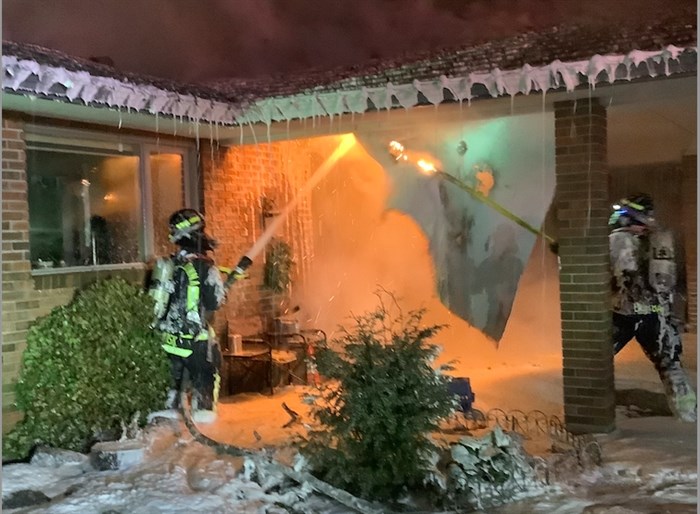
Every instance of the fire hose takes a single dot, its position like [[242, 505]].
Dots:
[[477, 195]]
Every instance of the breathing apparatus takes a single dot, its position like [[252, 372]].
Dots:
[[187, 231]]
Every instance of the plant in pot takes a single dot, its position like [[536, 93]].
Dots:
[[277, 281]]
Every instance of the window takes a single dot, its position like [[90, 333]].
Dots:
[[168, 194], [94, 201]]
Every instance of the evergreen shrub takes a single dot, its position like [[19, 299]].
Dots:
[[88, 366], [382, 400]]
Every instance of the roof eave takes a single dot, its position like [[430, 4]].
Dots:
[[555, 76]]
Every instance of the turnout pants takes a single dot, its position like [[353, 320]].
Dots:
[[660, 339], [202, 369], [657, 335]]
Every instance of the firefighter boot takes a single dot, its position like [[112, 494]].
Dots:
[[172, 403], [679, 393]]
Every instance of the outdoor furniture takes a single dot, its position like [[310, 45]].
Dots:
[[246, 365], [268, 360], [302, 343], [293, 344]]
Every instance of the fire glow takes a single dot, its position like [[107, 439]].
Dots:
[[346, 143], [422, 161]]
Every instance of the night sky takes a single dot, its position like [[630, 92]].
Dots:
[[180, 39]]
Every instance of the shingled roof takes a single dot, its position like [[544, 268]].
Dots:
[[566, 43], [33, 70], [57, 59], [565, 56]]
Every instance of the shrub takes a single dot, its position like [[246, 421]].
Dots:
[[88, 366], [277, 272], [382, 401]]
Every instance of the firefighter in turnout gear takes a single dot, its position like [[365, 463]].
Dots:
[[187, 288], [643, 260]]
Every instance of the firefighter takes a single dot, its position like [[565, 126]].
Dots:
[[643, 260], [188, 288]]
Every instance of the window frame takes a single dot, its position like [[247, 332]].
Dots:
[[144, 147]]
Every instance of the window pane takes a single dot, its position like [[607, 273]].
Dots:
[[84, 205], [168, 195]]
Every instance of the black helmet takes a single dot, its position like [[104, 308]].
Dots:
[[187, 230], [637, 209]]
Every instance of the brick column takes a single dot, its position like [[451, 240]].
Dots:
[[689, 197], [583, 211]]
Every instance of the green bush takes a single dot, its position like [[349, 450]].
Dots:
[[277, 273], [88, 366], [383, 400]]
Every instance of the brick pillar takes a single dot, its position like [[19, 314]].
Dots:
[[583, 211], [689, 197]]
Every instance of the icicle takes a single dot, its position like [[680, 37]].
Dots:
[[120, 119], [288, 122], [544, 199], [269, 137], [512, 104], [196, 134], [211, 143], [590, 159], [252, 129], [240, 126], [572, 131]]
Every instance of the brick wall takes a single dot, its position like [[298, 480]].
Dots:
[[25, 298], [17, 286], [234, 180], [690, 232], [583, 210]]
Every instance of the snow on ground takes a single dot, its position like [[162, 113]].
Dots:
[[649, 466]]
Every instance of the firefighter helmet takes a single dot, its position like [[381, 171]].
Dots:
[[185, 224], [636, 209]]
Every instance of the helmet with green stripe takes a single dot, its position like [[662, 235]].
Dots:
[[185, 224], [637, 209]]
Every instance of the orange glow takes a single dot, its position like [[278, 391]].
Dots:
[[485, 179], [348, 241], [427, 167], [425, 162]]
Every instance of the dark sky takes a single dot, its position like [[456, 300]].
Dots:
[[199, 40]]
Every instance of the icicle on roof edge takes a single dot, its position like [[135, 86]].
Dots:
[[30, 77], [496, 82]]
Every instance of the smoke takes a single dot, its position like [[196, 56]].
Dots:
[[198, 41], [360, 247]]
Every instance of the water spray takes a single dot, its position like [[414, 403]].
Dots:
[[347, 142], [399, 153]]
